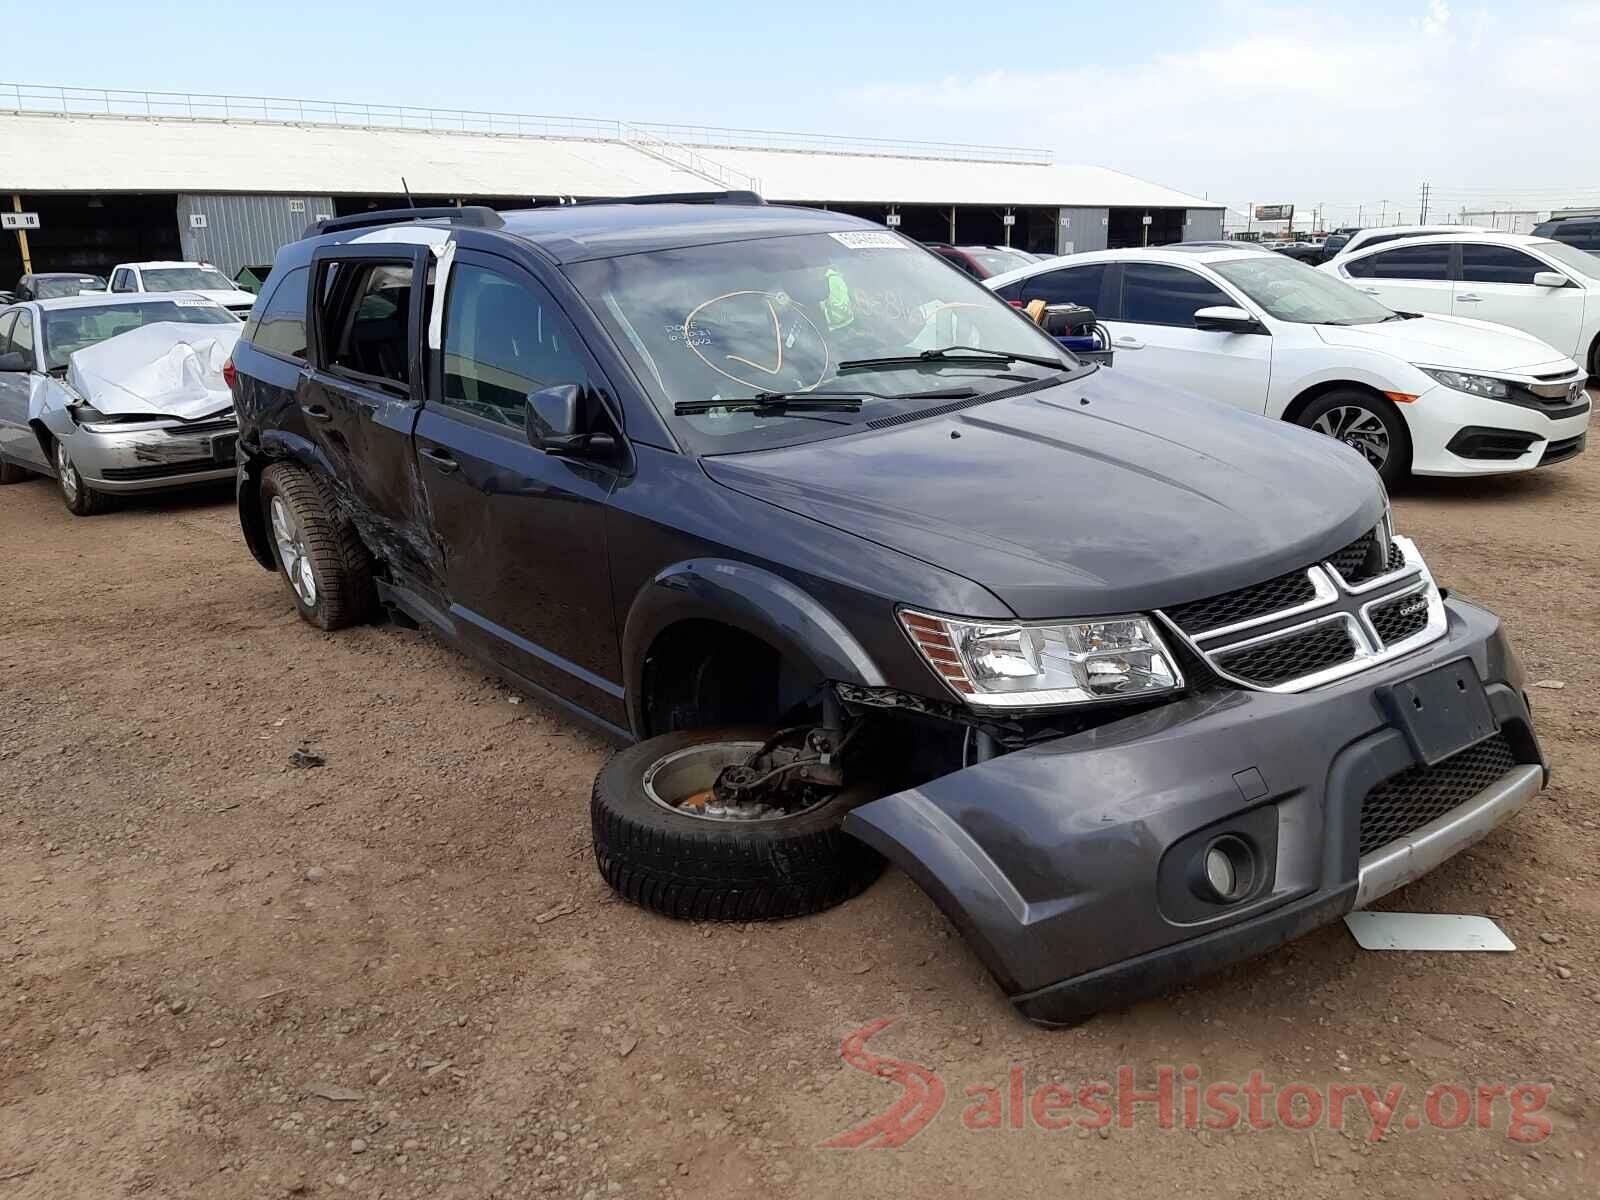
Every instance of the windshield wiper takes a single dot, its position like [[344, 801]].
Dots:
[[778, 403], [970, 354]]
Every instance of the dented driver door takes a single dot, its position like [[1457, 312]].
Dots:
[[361, 390]]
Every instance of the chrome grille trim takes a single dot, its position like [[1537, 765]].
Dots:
[[1336, 601]]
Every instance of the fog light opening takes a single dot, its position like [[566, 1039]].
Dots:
[[1227, 871]]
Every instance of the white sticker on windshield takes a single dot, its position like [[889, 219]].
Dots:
[[194, 304], [868, 240]]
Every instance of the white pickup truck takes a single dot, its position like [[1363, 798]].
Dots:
[[197, 278]]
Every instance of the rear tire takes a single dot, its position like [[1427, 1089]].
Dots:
[[318, 552], [1365, 422], [704, 869], [81, 499]]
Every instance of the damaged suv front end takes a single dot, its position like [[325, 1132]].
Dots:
[[1342, 729]]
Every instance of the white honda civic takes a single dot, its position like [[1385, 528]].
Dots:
[[1429, 395]]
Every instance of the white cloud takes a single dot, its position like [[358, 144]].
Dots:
[[1344, 109]]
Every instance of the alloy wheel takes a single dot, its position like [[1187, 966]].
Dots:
[[66, 474], [290, 538], [1358, 427]]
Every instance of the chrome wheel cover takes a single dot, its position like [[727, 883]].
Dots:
[[66, 474], [676, 777], [290, 540], [1357, 427]]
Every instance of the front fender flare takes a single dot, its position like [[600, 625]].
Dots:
[[749, 598]]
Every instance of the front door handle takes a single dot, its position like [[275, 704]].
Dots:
[[1370, 291], [317, 413], [1127, 343], [1469, 298], [441, 459]]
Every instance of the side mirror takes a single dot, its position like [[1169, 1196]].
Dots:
[[558, 422], [1549, 279], [15, 361], [1225, 318]]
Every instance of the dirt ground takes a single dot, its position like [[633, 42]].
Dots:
[[399, 975]]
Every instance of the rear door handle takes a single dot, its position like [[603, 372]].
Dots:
[[317, 413], [1127, 343], [1469, 298], [441, 459]]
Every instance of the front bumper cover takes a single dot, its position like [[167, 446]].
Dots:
[[1057, 862]]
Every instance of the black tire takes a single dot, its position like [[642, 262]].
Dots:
[[341, 569], [11, 473], [1397, 462], [706, 870], [81, 499]]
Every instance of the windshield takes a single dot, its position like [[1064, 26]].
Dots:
[[737, 319], [69, 329], [53, 287], [1292, 291], [186, 279], [1584, 262], [996, 261]]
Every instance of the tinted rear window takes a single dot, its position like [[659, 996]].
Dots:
[[279, 324]]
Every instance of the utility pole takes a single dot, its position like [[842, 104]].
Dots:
[[1422, 215], [22, 237], [1383, 219]]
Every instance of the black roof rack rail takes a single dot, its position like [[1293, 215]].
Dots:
[[472, 214], [683, 198]]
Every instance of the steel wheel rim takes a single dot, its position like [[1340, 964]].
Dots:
[[292, 552], [1357, 427], [675, 777], [66, 474]]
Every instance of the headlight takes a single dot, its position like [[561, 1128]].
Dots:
[[1473, 385], [997, 664]]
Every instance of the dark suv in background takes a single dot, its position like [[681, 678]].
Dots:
[[1581, 233], [859, 561]]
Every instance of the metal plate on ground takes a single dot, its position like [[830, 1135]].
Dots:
[[1425, 931], [1442, 711]]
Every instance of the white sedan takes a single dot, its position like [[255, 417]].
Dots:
[[1428, 395], [1540, 286]]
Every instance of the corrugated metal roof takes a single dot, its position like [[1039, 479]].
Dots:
[[57, 153]]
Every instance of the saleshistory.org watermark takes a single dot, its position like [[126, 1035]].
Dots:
[[1181, 1096]]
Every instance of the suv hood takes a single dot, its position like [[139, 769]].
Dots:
[[1138, 498], [1453, 342]]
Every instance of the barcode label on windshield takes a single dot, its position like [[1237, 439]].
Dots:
[[868, 240]]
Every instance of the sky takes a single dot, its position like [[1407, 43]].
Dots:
[[1347, 106]]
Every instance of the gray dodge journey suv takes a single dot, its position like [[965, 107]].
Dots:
[[861, 564]]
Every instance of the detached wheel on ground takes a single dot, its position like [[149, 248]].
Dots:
[[321, 556], [1368, 423], [664, 842], [81, 499]]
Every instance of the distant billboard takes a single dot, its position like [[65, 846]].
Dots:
[[1274, 212]]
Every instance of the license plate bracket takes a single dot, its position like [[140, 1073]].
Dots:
[[1442, 711]]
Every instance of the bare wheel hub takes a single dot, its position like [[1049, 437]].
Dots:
[[718, 782]]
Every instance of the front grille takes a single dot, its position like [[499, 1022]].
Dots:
[[163, 470], [1355, 562], [1400, 619], [1300, 654], [1275, 595], [1406, 802]]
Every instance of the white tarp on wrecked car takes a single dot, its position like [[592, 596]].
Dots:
[[167, 368]]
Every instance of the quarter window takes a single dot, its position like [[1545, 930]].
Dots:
[[1498, 264], [1405, 262], [367, 321], [502, 340], [22, 336], [279, 326], [1155, 294]]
